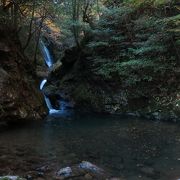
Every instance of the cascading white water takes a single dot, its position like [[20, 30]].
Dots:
[[49, 62], [43, 83], [48, 103], [46, 54], [55, 1]]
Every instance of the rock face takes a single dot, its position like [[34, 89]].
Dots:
[[20, 98]]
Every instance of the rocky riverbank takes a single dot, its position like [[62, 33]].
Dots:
[[82, 171]]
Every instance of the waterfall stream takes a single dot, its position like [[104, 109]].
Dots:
[[46, 54], [49, 62]]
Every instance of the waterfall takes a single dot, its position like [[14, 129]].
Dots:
[[46, 54], [49, 62], [43, 83], [48, 103], [55, 1]]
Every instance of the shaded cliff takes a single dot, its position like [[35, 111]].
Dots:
[[20, 97]]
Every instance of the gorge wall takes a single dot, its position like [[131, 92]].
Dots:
[[20, 99]]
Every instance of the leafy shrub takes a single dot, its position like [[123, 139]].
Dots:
[[129, 46]]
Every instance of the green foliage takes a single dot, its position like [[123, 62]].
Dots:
[[84, 94], [76, 17], [154, 3], [130, 47]]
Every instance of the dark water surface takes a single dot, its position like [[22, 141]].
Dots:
[[127, 147]]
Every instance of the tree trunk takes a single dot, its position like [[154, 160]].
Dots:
[[37, 41], [30, 26]]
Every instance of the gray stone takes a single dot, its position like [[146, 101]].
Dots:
[[11, 178], [91, 167], [65, 172]]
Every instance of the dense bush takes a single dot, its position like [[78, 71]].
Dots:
[[132, 46]]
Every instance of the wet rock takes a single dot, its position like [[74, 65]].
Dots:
[[156, 115], [50, 90], [29, 177], [133, 114], [64, 172], [11, 178], [42, 72], [91, 167], [56, 67], [43, 169], [173, 116], [40, 174], [84, 170], [77, 172]]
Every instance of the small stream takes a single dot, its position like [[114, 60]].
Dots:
[[49, 62]]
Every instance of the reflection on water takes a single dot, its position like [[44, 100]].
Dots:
[[125, 147]]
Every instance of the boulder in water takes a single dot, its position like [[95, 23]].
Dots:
[[90, 167], [84, 170], [65, 172]]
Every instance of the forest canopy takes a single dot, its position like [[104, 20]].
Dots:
[[132, 43]]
